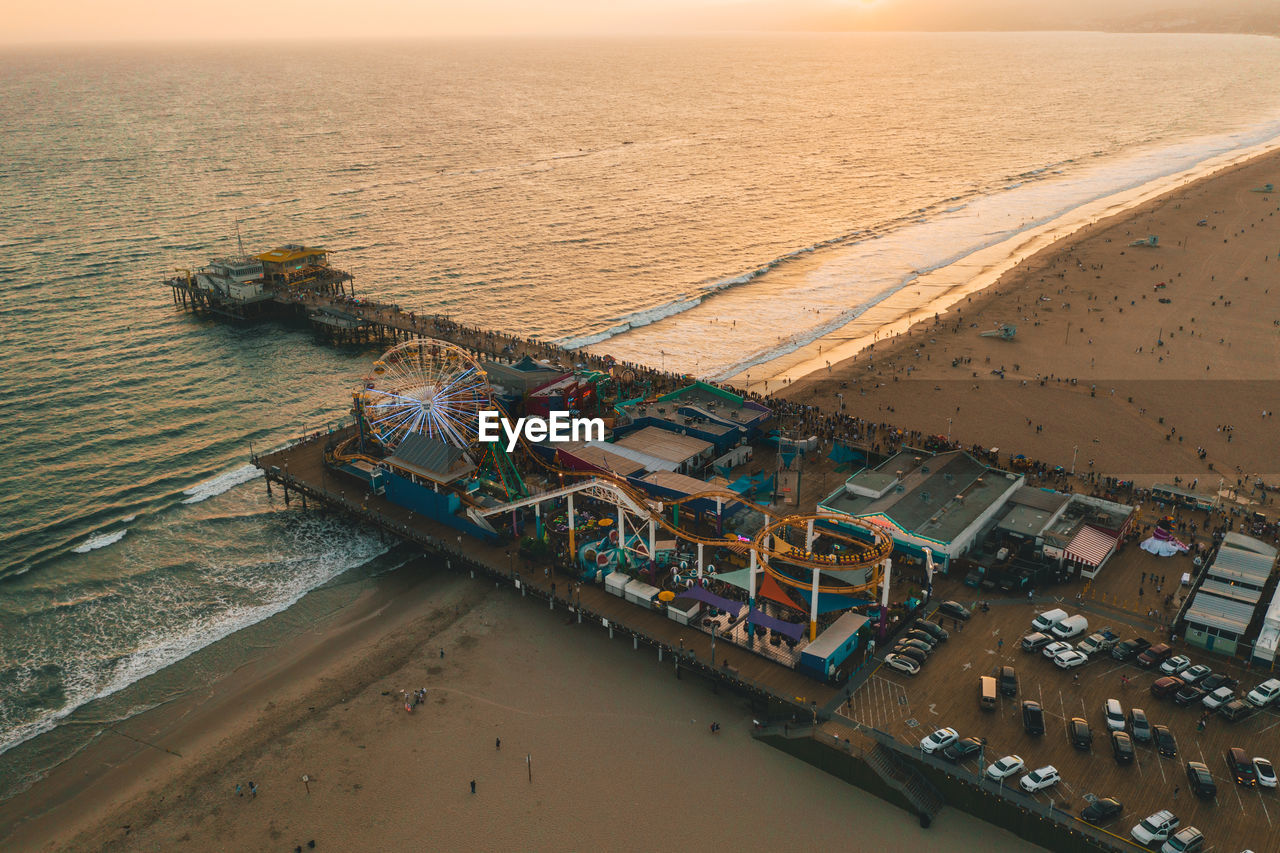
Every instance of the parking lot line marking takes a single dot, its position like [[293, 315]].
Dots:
[[1270, 727], [1263, 802]]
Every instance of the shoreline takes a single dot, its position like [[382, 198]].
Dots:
[[976, 272]]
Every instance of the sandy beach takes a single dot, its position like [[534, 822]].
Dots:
[[622, 756], [1132, 359]]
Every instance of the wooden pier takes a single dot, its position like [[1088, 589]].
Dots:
[[300, 472]]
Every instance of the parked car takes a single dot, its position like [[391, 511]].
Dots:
[[1236, 710], [1005, 767], [932, 628], [1192, 674], [1008, 681], [941, 739], [1156, 827], [1052, 650], [1175, 664], [1166, 743], [1218, 698], [1072, 626], [910, 652], [922, 637], [1122, 747], [963, 749], [1130, 649], [902, 664], [1101, 811], [1113, 714], [1265, 693], [1185, 840], [1032, 717], [1241, 767], [1035, 642], [1100, 641], [1201, 780], [1070, 659], [1154, 655], [1079, 733], [1166, 686], [1214, 680], [1188, 694], [1038, 780], [919, 645], [1045, 621], [1265, 772], [955, 610], [1139, 726]]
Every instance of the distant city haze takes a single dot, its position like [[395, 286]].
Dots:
[[78, 21]]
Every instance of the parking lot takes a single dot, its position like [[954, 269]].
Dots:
[[946, 693]]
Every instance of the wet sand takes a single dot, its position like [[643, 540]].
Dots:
[[1101, 368], [622, 757]]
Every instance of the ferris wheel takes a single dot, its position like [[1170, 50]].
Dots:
[[427, 387]]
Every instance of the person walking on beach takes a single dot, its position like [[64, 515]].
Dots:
[[473, 786], [253, 789], [497, 743], [239, 790]]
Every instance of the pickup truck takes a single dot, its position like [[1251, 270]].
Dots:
[[1100, 641]]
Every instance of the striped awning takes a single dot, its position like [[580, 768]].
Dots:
[[1091, 546]]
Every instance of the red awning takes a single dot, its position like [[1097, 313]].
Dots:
[[1091, 546]]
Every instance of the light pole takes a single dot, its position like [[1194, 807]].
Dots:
[[714, 625], [1075, 448], [948, 430]]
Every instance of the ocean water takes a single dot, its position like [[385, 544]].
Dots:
[[707, 203]]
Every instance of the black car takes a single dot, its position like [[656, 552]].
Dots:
[[1008, 681], [1201, 780], [932, 628], [1166, 745], [962, 749], [1241, 767], [923, 636], [1122, 747], [1130, 649], [1078, 731], [911, 652], [1214, 680], [1032, 717], [1101, 811], [1190, 693], [954, 609]]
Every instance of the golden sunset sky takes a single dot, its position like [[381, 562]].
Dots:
[[32, 21]]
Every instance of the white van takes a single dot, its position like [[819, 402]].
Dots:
[[1047, 620], [1072, 626]]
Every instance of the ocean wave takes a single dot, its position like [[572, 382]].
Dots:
[[221, 483], [100, 540]]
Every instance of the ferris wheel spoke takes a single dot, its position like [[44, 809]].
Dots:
[[401, 418]]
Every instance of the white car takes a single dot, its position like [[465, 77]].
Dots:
[[1157, 827], [1056, 648], [1192, 674], [1005, 767], [1175, 664], [902, 664], [1265, 772], [939, 740], [1071, 658], [1265, 693], [1219, 697], [1039, 779]]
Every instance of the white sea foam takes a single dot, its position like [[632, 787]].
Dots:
[[100, 540], [221, 483]]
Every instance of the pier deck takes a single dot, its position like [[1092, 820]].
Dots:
[[301, 468]]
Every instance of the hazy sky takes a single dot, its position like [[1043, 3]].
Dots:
[[27, 21]]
